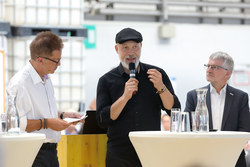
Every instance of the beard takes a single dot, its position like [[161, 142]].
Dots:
[[124, 63]]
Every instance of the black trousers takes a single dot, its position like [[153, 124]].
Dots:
[[47, 156], [113, 160], [242, 160]]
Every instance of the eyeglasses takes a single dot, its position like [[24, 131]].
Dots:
[[58, 61], [213, 67]]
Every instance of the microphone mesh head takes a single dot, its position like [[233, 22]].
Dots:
[[131, 66]]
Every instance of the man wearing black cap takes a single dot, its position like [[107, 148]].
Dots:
[[126, 104]]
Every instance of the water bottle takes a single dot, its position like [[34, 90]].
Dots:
[[201, 111], [13, 122]]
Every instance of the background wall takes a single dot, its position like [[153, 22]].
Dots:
[[182, 57]]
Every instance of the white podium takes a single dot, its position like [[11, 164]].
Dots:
[[168, 149], [20, 150]]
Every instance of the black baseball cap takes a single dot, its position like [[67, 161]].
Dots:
[[128, 34]]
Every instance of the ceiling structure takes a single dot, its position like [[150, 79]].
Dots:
[[185, 11]]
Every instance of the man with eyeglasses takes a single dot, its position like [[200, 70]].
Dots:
[[35, 100], [227, 106]]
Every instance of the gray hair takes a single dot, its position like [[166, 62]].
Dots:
[[227, 60]]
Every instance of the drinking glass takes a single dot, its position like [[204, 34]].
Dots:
[[193, 122], [184, 122], [175, 119], [3, 122]]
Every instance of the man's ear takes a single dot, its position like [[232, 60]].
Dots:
[[39, 59], [116, 48], [228, 74]]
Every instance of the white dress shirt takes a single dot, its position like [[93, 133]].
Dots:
[[217, 106], [35, 100]]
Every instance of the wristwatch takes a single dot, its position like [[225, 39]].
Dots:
[[61, 115], [162, 90]]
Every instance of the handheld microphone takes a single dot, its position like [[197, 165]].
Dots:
[[132, 72]]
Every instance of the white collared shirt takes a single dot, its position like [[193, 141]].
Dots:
[[217, 106], [35, 100]]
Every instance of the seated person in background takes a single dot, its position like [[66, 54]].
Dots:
[[247, 151], [247, 146], [165, 120], [92, 105], [228, 107]]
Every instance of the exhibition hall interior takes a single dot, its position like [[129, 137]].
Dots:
[[177, 37]]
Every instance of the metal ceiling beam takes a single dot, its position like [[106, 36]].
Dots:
[[165, 11], [171, 13], [210, 4], [129, 12], [144, 2], [181, 3]]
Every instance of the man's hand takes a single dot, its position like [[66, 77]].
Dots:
[[130, 86], [73, 115], [57, 124], [156, 78], [116, 108]]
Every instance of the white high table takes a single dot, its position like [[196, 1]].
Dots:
[[20, 150], [188, 149]]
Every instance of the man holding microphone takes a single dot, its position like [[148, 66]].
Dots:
[[131, 102]]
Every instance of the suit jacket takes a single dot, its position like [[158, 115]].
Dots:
[[236, 115]]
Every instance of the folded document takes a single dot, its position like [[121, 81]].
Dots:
[[69, 120]]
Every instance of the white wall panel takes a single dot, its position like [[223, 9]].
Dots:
[[181, 57]]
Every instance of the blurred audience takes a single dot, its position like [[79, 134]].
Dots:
[[165, 120], [247, 151], [92, 105]]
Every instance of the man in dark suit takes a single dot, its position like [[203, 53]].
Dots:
[[228, 107]]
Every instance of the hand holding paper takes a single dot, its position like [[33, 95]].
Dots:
[[70, 120]]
